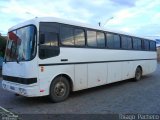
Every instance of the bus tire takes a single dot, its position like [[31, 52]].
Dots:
[[138, 74], [59, 89]]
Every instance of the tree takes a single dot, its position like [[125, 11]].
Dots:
[[3, 41]]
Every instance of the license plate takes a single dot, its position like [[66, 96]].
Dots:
[[12, 88]]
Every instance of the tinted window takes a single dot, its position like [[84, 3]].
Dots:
[[79, 37], [137, 44], [152, 46], [50, 38], [49, 48], [146, 45], [126, 42], [113, 40], [100, 39], [129, 40], [49, 34], [91, 39], [117, 41], [110, 40], [67, 35]]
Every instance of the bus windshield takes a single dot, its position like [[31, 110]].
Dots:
[[21, 45]]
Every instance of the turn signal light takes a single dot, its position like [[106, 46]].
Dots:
[[42, 69]]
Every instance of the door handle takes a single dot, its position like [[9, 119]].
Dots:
[[64, 60]]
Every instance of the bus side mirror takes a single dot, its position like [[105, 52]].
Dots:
[[42, 38]]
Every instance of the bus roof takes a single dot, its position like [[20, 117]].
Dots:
[[70, 22]]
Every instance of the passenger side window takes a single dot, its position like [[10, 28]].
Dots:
[[113, 40], [79, 37], [146, 44], [126, 42], [152, 46], [117, 42], [137, 44], [71, 36], [129, 40], [100, 40], [67, 37], [110, 40], [91, 38], [48, 40]]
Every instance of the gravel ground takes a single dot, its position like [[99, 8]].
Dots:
[[122, 97]]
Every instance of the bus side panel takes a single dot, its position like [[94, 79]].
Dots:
[[97, 74], [128, 70], [149, 66], [114, 72], [50, 72], [152, 65], [80, 77], [145, 66]]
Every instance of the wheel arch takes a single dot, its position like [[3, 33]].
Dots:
[[67, 77], [140, 68]]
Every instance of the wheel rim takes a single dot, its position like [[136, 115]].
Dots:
[[138, 74], [60, 89]]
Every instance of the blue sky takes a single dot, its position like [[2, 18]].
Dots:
[[140, 17]]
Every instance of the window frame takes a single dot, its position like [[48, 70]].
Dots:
[[126, 37], [58, 32], [137, 39], [36, 40], [107, 40], [113, 35], [85, 29], [144, 48], [104, 39], [150, 45], [84, 36], [70, 27], [95, 37], [44, 47], [73, 27], [97, 31]]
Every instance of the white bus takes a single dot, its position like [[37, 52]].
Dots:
[[52, 57]]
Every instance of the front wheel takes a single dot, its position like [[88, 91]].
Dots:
[[59, 89], [138, 74]]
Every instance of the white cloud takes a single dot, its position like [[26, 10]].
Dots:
[[120, 17], [126, 29], [98, 2], [143, 19], [129, 16], [156, 18]]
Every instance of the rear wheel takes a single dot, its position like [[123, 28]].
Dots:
[[138, 74], [59, 89]]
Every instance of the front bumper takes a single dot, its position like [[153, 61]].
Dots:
[[24, 90]]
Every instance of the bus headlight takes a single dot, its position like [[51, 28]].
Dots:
[[4, 86], [22, 91]]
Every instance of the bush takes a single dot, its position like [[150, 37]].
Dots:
[[1, 61]]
